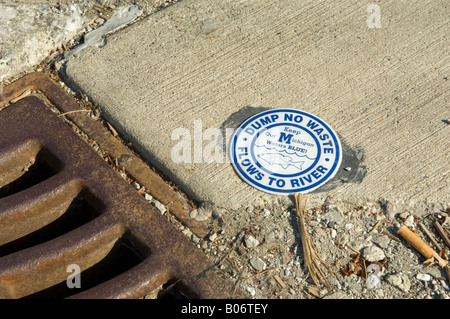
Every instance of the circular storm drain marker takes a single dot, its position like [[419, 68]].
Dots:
[[285, 151]]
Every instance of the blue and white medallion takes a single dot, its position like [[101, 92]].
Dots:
[[285, 151]]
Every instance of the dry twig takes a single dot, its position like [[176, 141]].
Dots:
[[259, 273], [312, 259], [21, 96], [375, 227], [391, 236], [430, 236], [441, 232], [74, 111]]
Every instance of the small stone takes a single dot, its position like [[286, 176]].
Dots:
[[250, 241], [390, 209], [404, 215], [380, 293], [270, 236], [136, 185], [186, 232], [382, 241], [406, 284], [433, 271], [251, 291], [333, 233], [159, 206], [373, 254], [257, 263], [400, 281], [218, 212], [373, 281], [423, 277], [195, 239], [213, 237], [334, 216], [337, 295], [395, 280], [193, 214], [409, 222]]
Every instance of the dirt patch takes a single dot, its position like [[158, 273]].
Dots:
[[359, 244]]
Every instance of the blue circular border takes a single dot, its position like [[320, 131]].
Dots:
[[272, 190]]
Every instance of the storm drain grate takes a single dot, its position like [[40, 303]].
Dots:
[[54, 94], [62, 205]]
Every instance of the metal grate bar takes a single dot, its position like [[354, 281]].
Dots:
[[119, 224]]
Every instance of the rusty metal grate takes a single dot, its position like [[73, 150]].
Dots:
[[180, 206], [61, 204]]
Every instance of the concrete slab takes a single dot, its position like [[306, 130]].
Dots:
[[377, 74], [33, 32], [29, 32]]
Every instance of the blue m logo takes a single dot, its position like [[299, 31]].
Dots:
[[285, 138]]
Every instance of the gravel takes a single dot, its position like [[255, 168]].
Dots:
[[263, 248], [373, 254], [250, 241]]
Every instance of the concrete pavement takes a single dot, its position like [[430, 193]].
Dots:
[[379, 78]]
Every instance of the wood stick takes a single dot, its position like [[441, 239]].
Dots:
[[442, 233], [353, 249], [259, 273], [21, 96], [280, 281], [75, 111], [375, 227], [100, 9], [391, 236], [430, 236]]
